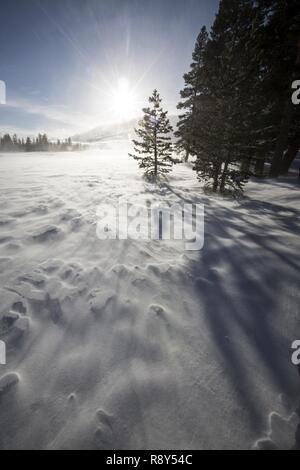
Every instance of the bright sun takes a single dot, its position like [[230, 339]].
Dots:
[[124, 100]]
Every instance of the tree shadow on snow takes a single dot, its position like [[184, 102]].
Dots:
[[242, 278]]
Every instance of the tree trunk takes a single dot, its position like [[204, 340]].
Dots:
[[245, 166], [217, 168], [215, 185], [259, 167], [223, 179], [282, 141], [290, 155], [155, 152]]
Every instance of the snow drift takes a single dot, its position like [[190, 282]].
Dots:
[[135, 345]]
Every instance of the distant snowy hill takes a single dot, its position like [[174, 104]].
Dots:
[[113, 131]]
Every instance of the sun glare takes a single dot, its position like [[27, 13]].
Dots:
[[124, 100]]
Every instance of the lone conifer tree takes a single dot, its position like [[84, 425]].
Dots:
[[154, 147]]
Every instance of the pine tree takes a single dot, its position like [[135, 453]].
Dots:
[[193, 88], [28, 145], [229, 131], [7, 143], [15, 140], [281, 49], [154, 147]]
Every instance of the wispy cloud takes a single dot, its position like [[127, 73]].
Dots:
[[26, 117]]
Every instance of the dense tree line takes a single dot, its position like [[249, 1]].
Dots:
[[39, 144], [236, 108]]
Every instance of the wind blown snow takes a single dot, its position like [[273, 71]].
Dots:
[[124, 344]]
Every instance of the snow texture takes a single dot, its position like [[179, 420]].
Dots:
[[142, 345]]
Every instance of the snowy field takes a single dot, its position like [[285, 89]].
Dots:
[[143, 345]]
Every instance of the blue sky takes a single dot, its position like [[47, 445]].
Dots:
[[63, 60]]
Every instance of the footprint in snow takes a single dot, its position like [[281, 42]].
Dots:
[[36, 279], [48, 232], [52, 265], [8, 382], [19, 307], [104, 431], [282, 433], [104, 418], [13, 327], [157, 311]]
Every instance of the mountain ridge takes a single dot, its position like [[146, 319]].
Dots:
[[113, 130]]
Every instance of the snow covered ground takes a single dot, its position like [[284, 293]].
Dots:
[[143, 345]]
